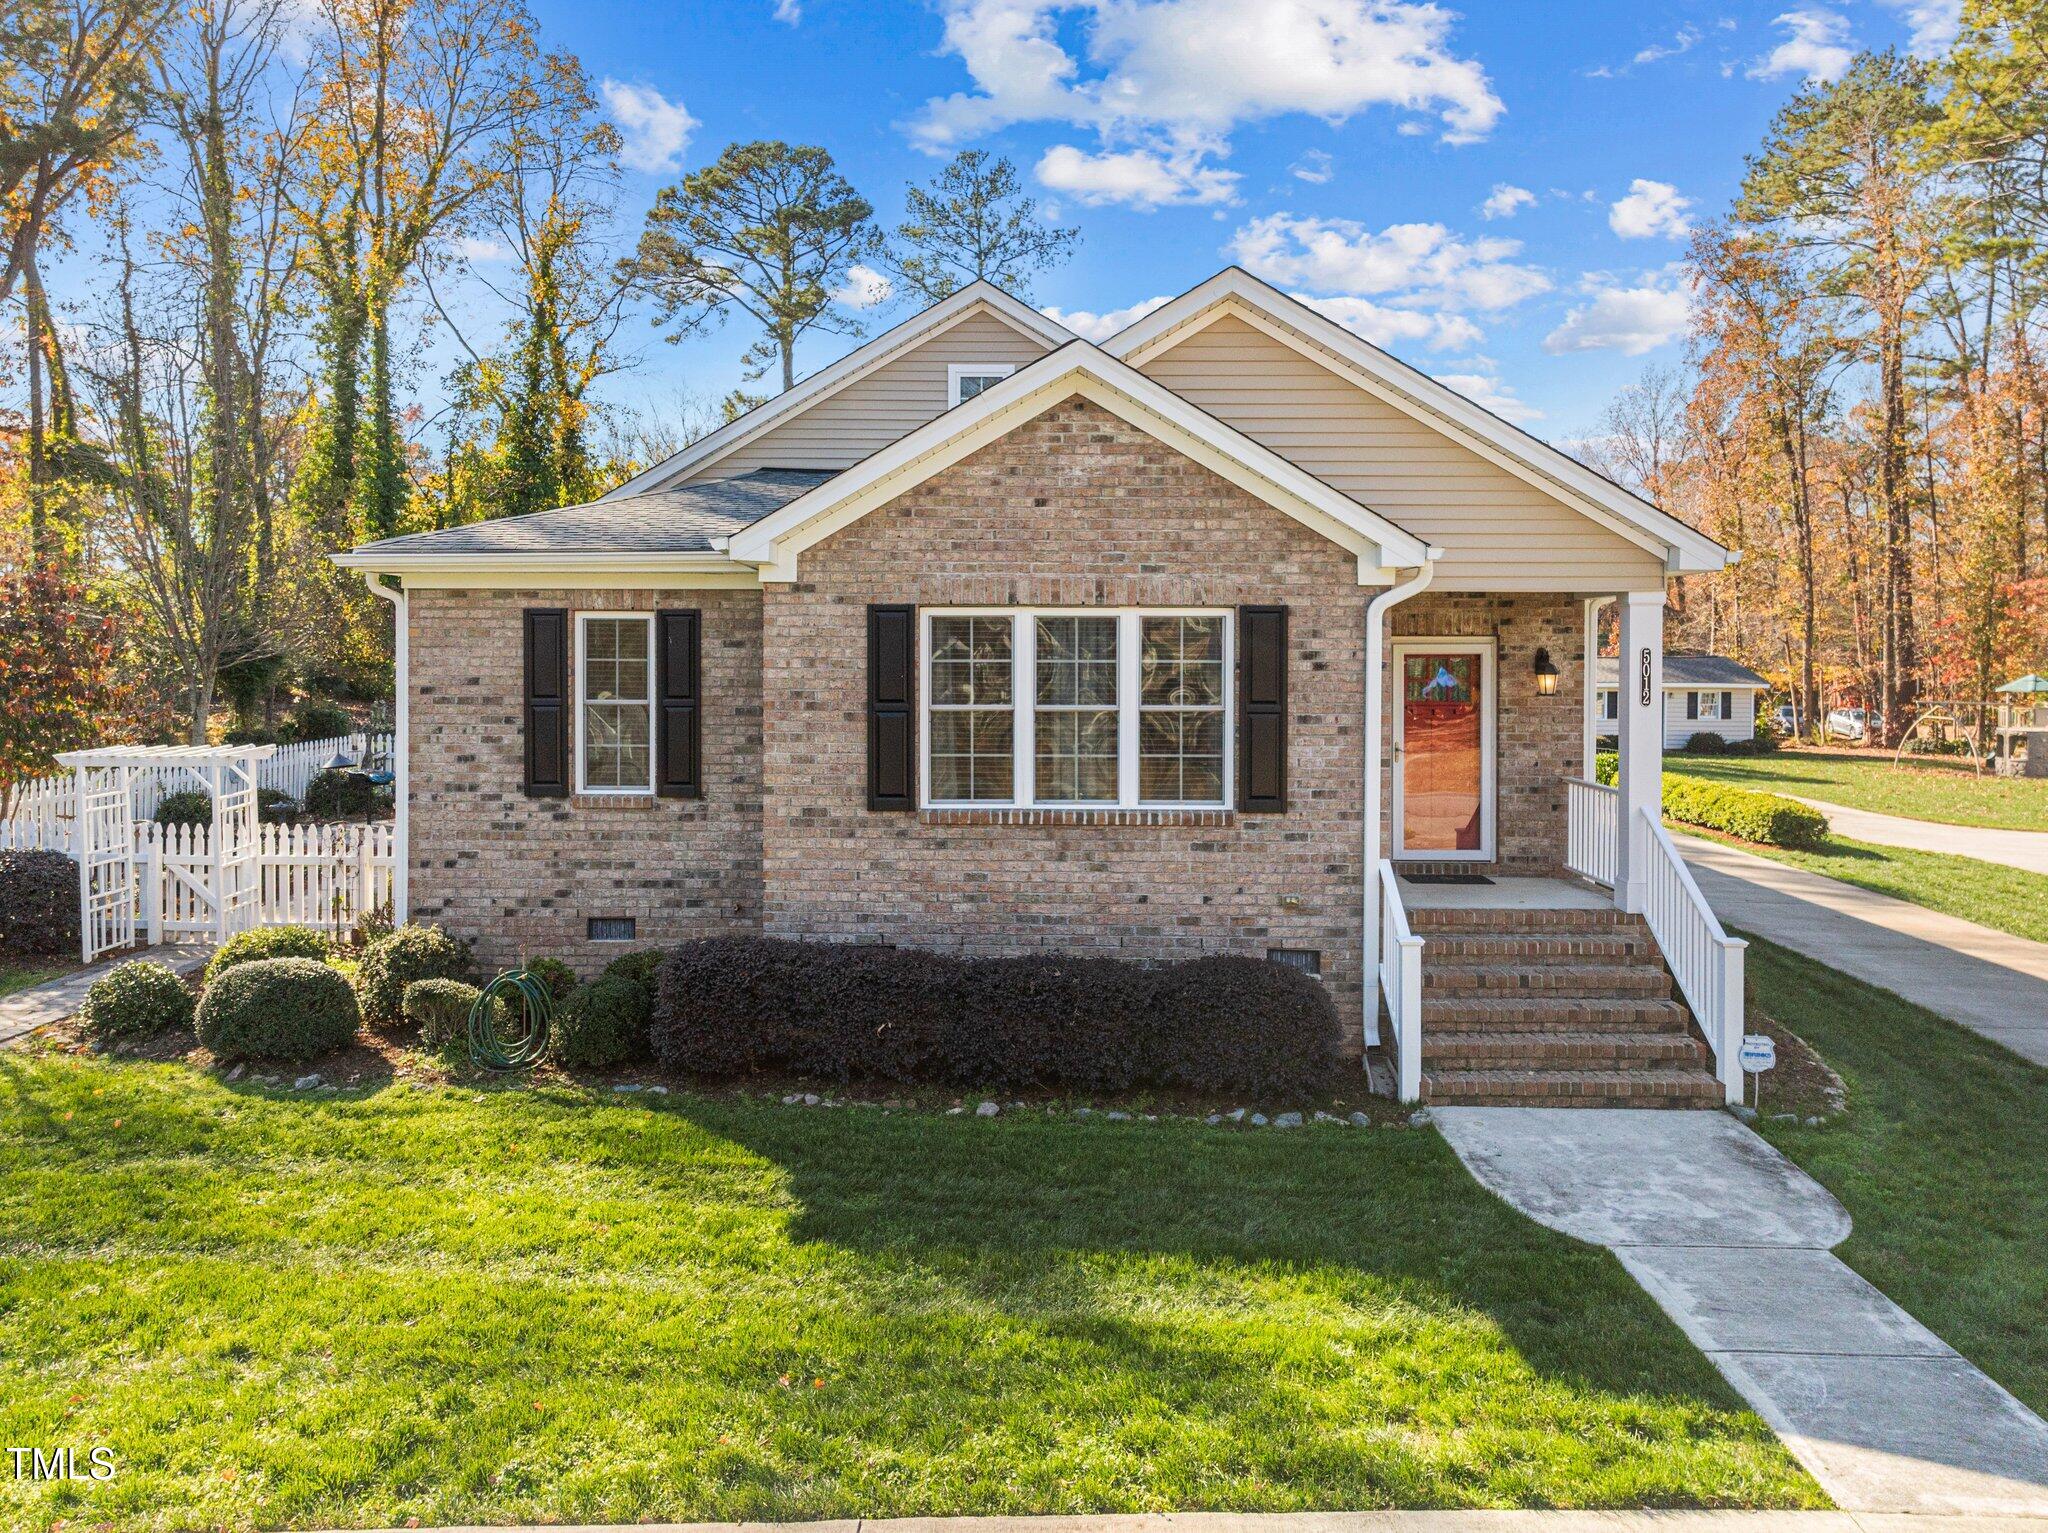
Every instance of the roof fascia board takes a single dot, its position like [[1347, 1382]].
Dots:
[[775, 540], [541, 569], [1422, 398], [883, 349]]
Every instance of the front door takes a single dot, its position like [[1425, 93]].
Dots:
[[1443, 750]]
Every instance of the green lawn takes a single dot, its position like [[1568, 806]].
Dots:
[[1927, 790], [20, 973], [1989, 893], [1941, 1159], [503, 1305]]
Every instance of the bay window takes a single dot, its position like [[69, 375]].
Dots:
[[1077, 709]]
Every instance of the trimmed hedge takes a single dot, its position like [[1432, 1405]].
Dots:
[[603, 1023], [135, 1000], [187, 806], [737, 1005], [332, 795], [440, 1009], [1741, 812], [277, 1008], [559, 978], [268, 942], [395, 961], [39, 903]]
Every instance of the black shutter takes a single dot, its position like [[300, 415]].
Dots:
[[1727, 705], [547, 702], [678, 727], [1692, 705], [892, 707], [1262, 710]]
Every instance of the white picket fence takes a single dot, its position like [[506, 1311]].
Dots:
[[308, 875], [44, 812]]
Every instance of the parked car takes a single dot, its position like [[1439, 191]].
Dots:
[[1786, 719], [1848, 723]]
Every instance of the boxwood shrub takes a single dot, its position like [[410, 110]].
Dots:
[[392, 962], [557, 976], [440, 1009], [603, 1023], [268, 942], [333, 795], [39, 903], [1742, 812], [277, 1008], [135, 1000], [738, 1005]]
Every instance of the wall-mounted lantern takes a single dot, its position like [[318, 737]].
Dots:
[[1546, 674]]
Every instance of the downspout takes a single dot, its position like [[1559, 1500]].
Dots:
[[1375, 649], [401, 854]]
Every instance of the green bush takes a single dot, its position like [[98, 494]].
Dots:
[[391, 963], [440, 1009], [135, 1000], [333, 795], [319, 721], [274, 806], [557, 976], [1607, 767], [277, 1008], [268, 942], [188, 806], [641, 967], [38, 902], [1706, 743], [604, 1023], [1741, 812]]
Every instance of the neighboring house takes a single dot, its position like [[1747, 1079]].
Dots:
[[1703, 694], [987, 638]]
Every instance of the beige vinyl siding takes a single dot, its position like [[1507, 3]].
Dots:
[[1498, 532], [878, 408]]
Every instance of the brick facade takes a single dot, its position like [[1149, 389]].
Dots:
[[1073, 509]]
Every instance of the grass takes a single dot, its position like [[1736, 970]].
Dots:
[[538, 1303], [19, 973], [1988, 893], [1945, 791], [1941, 1159]]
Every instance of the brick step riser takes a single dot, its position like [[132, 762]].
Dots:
[[1487, 1088], [1539, 950], [1449, 922], [1472, 1014], [1559, 982], [1483, 1099], [1523, 1053]]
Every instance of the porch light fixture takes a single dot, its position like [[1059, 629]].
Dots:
[[1546, 674]]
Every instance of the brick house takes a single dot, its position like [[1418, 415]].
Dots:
[[989, 639]]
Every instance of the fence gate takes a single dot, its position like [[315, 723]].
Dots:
[[106, 862]]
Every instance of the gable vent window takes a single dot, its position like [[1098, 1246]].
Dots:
[[966, 379], [610, 928]]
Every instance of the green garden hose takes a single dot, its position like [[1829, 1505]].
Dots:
[[510, 1046]]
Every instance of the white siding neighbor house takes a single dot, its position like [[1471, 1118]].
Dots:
[[1703, 694]]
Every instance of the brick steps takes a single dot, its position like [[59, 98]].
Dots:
[[1554, 1008]]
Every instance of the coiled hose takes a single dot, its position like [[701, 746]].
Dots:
[[510, 1045]]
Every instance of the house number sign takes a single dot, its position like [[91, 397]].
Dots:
[[1643, 667]]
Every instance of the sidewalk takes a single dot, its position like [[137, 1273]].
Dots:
[[1736, 1244], [2026, 850], [1988, 981], [39, 1005]]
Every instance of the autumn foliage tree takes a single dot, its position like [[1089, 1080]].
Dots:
[[56, 672]]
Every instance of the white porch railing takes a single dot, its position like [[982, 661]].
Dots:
[[1592, 825], [1704, 959], [1401, 984]]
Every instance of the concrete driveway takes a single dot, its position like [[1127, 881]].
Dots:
[[1734, 1242]]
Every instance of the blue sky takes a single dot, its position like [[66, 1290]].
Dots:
[[1497, 193]]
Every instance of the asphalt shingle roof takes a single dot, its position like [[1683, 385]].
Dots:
[[674, 521], [1689, 671]]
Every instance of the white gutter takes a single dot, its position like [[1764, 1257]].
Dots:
[[1375, 650], [401, 854]]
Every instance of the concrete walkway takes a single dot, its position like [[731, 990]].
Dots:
[[39, 1005], [1734, 1242], [2026, 850], [1989, 981], [1347, 1522]]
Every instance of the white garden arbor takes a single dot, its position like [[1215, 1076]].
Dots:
[[106, 780]]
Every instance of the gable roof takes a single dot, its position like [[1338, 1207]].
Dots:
[[1683, 670], [1415, 393], [977, 297], [1078, 367]]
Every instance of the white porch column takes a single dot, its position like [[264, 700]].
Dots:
[[1641, 731]]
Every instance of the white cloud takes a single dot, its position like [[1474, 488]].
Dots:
[[1505, 200], [1817, 46], [1388, 327], [1650, 208], [655, 129], [1935, 23], [1489, 392], [863, 289], [1417, 265], [788, 12], [1192, 70], [1095, 327], [472, 248], [1682, 41], [1630, 320], [1143, 178], [1314, 167]]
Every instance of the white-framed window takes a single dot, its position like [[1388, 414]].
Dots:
[[615, 702], [1710, 705], [1610, 704], [1077, 707], [966, 379]]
